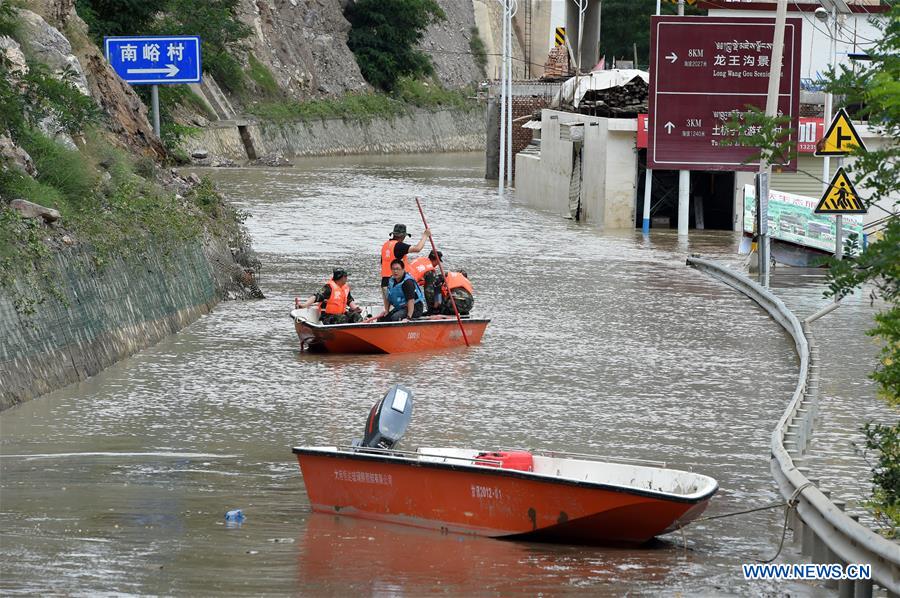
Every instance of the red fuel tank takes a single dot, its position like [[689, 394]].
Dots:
[[521, 460]]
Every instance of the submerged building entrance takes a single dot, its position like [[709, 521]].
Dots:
[[711, 198]]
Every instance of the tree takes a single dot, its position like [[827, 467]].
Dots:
[[118, 17], [221, 32], [875, 88], [626, 23], [384, 36], [214, 21]]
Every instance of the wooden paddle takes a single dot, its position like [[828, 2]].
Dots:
[[444, 276]]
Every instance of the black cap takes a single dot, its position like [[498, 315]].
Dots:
[[399, 229], [339, 273]]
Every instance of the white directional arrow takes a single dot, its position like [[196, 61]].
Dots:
[[669, 126], [170, 70], [672, 57]]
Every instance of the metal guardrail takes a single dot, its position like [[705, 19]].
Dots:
[[828, 534]]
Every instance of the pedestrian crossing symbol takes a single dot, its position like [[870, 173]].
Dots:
[[840, 197], [841, 137]]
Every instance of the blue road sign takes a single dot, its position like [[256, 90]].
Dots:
[[148, 60]]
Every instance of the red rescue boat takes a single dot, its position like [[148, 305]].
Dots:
[[426, 334], [503, 494]]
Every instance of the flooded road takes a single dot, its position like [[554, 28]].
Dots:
[[600, 343]]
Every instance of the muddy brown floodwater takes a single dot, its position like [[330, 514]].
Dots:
[[601, 342]]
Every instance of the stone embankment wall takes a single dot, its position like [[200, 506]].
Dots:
[[104, 316], [425, 131]]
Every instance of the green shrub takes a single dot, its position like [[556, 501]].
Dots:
[[263, 77], [384, 35], [197, 103], [9, 24], [221, 32], [38, 95], [215, 21], [425, 94], [885, 442], [479, 51], [18, 185], [61, 168], [117, 17]]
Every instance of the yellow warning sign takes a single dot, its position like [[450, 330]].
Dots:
[[841, 137], [841, 197], [560, 36]]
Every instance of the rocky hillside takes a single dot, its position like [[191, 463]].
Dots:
[[304, 45], [74, 53], [449, 45], [80, 167]]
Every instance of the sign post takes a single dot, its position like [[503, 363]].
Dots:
[[155, 60], [154, 105], [839, 197]]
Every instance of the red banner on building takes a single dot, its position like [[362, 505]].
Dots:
[[642, 132], [809, 132]]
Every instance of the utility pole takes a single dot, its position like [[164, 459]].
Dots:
[[154, 104], [684, 179], [513, 9], [826, 160], [502, 174], [648, 174], [582, 8], [765, 167]]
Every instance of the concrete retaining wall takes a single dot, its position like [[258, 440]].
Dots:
[[417, 132], [107, 316]]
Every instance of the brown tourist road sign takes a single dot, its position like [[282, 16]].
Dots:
[[704, 71], [841, 197]]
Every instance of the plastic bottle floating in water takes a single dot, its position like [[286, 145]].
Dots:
[[234, 518]]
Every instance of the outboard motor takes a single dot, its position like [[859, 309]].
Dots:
[[388, 419]]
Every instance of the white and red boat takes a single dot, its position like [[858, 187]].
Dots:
[[424, 334], [540, 495]]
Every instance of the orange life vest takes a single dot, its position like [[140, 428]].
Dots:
[[456, 280], [337, 303], [419, 267], [387, 256]]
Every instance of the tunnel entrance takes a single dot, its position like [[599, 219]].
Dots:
[[711, 198]]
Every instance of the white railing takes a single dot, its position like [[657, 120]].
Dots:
[[828, 534]]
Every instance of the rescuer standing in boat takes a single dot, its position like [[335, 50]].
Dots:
[[395, 249], [336, 303], [404, 296]]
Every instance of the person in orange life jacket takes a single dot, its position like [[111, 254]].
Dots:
[[458, 284], [395, 249], [336, 303], [405, 296], [421, 267], [426, 271]]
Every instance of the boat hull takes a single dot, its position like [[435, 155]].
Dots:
[[488, 501], [389, 337]]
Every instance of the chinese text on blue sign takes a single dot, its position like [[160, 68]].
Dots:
[[155, 60]]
